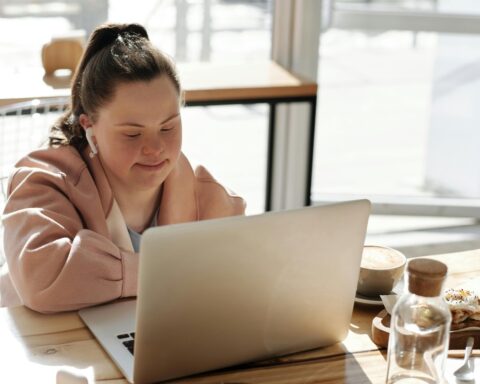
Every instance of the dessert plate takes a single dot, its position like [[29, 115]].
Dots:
[[367, 300]]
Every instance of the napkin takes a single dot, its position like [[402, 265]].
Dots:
[[390, 300]]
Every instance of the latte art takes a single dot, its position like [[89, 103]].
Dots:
[[381, 258]]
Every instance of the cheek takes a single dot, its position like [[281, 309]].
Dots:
[[176, 143], [118, 153], [128, 153], [172, 142]]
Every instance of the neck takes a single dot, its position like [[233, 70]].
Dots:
[[138, 207]]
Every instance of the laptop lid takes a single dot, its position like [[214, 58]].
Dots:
[[228, 291]]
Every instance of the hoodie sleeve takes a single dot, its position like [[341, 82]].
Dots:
[[215, 200], [54, 262]]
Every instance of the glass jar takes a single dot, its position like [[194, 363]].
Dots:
[[420, 327]]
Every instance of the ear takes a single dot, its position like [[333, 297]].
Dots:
[[85, 121]]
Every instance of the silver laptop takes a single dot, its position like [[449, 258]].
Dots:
[[217, 293]]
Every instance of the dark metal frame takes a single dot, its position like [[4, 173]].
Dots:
[[273, 102]]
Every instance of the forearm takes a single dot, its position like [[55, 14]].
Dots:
[[67, 275]]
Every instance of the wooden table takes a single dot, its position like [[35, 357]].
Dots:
[[37, 348], [204, 84]]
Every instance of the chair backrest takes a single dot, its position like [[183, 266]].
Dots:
[[24, 127], [62, 54]]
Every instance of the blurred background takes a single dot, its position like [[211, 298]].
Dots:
[[396, 114]]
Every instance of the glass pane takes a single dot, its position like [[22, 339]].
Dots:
[[190, 30], [388, 4], [231, 142], [205, 30], [374, 105], [397, 113], [397, 117], [451, 6]]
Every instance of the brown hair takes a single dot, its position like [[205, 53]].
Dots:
[[115, 53]]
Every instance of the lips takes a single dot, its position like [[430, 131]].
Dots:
[[152, 166]]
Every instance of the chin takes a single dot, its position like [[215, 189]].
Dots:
[[152, 182]]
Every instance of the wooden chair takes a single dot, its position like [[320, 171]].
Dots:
[[62, 53]]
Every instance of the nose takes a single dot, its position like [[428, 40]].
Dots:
[[153, 145]]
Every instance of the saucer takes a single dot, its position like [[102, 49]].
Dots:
[[367, 300]]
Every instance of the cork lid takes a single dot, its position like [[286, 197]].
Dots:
[[425, 277]]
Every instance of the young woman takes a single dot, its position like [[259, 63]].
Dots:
[[75, 211]]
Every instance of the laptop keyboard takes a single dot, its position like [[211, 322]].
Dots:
[[127, 340]]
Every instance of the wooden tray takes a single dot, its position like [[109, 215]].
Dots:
[[381, 332]]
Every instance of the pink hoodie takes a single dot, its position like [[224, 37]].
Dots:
[[65, 240]]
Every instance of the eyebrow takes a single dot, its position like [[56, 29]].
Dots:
[[133, 124]]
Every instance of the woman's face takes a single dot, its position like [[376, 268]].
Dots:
[[139, 134]]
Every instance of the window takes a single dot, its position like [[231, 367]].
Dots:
[[397, 118]]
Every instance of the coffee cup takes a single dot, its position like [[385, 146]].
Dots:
[[380, 270]]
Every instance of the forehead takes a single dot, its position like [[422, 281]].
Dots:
[[145, 99]]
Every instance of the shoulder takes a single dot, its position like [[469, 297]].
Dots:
[[63, 163], [214, 199], [65, 159]]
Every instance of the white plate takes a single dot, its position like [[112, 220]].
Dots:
[[467, 329], [368, 300]]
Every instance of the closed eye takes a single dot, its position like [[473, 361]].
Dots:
[[171, 124], [132, 135]]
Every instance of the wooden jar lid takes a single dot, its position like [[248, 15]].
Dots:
[[425, 277]]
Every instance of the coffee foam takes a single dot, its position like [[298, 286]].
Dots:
[[381, 258]]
